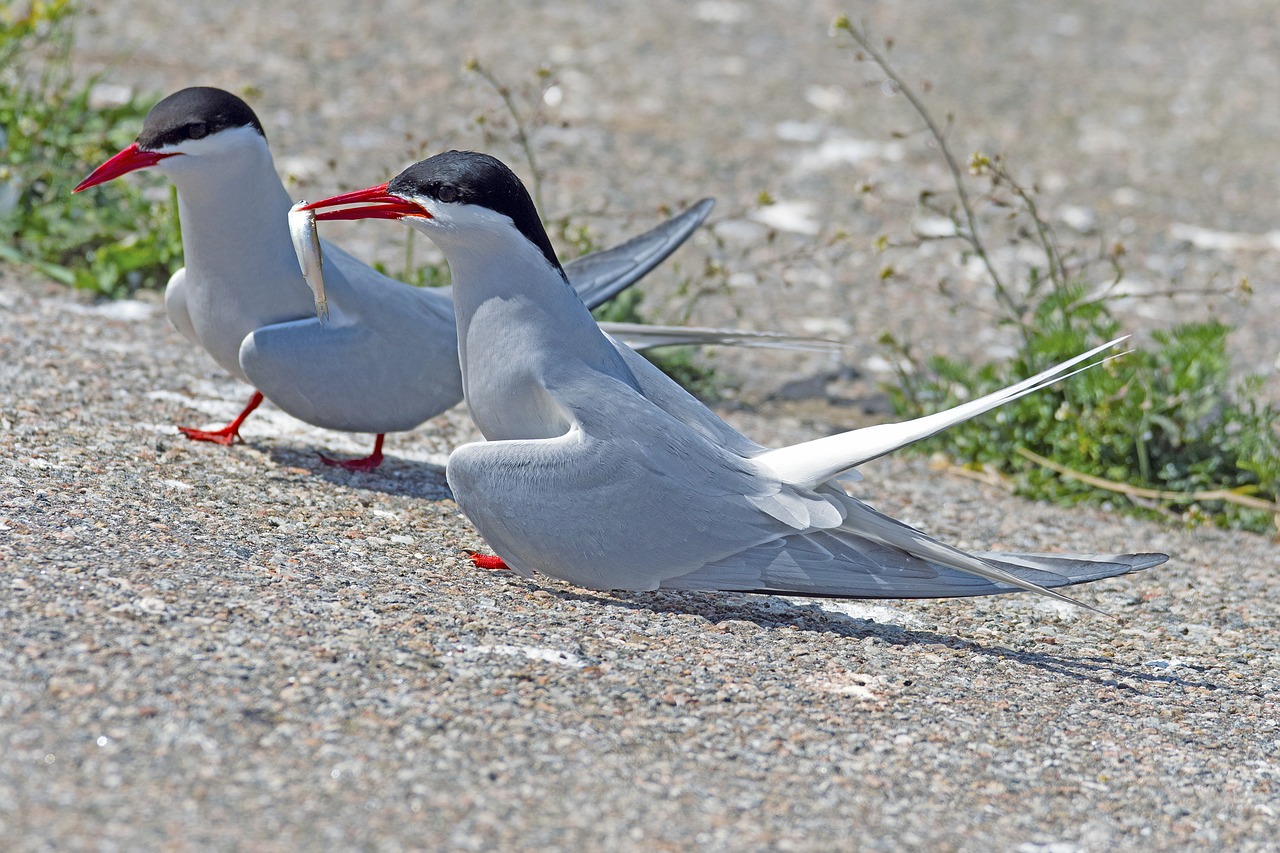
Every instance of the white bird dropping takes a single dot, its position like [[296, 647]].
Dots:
[[306, 245]]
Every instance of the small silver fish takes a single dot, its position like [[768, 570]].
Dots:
[[306, 245]]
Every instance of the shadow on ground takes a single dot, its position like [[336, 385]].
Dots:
[[772, 612], [395, 476]]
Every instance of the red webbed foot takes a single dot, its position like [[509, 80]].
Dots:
[[230, 433], [226, 436], [373, 460], [492, 562]]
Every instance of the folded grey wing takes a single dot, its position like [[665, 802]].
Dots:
[[840, 564], [600, 276], [626, 498], [386, 361]]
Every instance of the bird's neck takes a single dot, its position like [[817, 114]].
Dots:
[[519, 321], [235, 232], [506, 267]]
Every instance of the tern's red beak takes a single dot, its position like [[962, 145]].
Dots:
[[371, 203], [129, 160]]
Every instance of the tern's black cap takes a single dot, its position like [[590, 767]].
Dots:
[[467, 177], [194, 114]]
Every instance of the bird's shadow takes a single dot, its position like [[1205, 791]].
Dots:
[[772, 612], [395, 476]]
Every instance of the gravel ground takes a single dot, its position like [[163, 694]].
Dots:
[[211, 648]]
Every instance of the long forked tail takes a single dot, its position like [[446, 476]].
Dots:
[[813, 462]]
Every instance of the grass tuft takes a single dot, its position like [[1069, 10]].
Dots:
[[52, 134], [1165, 430]]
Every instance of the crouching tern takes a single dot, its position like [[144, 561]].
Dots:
[[386, 358], [600, 470]]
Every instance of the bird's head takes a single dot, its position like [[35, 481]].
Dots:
[[198, 122], [458, 193]]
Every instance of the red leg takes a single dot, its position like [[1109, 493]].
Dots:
[[230, 433], [487, 561], [373, 460]]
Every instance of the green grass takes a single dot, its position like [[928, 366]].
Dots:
[[123, 237]]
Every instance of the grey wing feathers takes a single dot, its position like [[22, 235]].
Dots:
[[671, 398], [839, 564], [384, 365], [600, 276]]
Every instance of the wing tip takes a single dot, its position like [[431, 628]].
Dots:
[[703, 207], [1142, 561]]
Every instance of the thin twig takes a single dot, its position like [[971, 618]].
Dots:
[[1226, 495], [1057, 271], [982, 474], [522, 134], [973, 237]]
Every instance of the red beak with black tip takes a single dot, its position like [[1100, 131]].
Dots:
[[371, 203], [129, 160]]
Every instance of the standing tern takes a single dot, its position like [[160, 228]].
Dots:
[[386, 359], [601, 471]]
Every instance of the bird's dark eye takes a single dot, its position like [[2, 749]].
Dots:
[[447, 193], [197, 130]]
